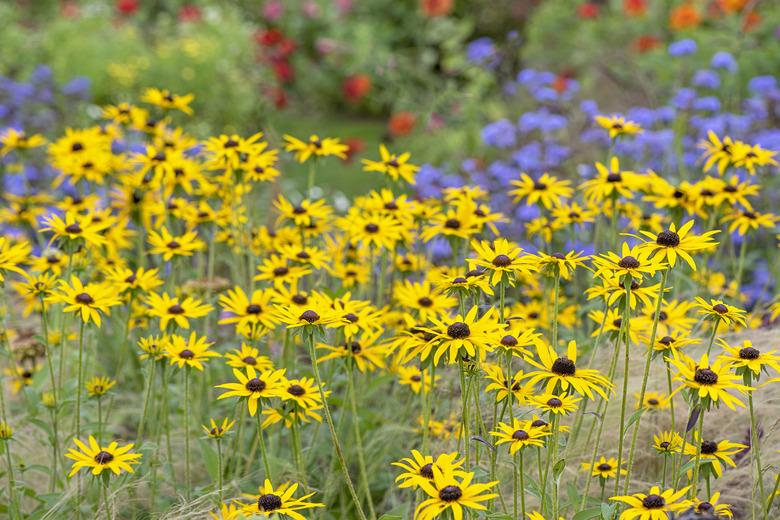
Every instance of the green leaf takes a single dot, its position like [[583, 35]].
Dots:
[[608, 511], [558, 468], [391, 517], [210, 458], [587, 514]]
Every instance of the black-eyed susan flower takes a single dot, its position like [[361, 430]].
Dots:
[[217, 430], [315, 147], [413, 377], [635, 262], [671, 243], [315, 313], [653, 505], [519, 435], [377, 230], [304, 393], [503, 387], [248, 313], [6, 432], [711, 383], [11, 256], [134, 281], [254, 386], [563, 263], [74, 230], [89, 301], [280, 271], [604, 468], [172, 309], [248, 356], [717, 151], [547, 190], [611, 182], [673, 341], [652, 401], [422, 299], [744, 221], [395, 166], [447, 491], [302, 214], [13, 139], [190, 352], [153, 347], [470, 335], [562, 372], [667, 442], [97, 458], [746, 358], [99, 386], [364, 351], [714, 453], [555, 404], [712, 506], [504, 260], [170, 246], [279, 502], [617, 126], [750, 156], [718, 310], [167, 100], [419, 468]]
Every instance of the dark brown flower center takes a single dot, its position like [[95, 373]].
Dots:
[[103, 457], [614, 177], [458, 330], [509, 341], [427, 471], [296, 390], [186, 354], [269, 502], [653, 502], [653, 401], [538, 423], [300, 299], [705, 376], [666, 340], [709, 447], [309, 316], [450, 493], [371, 228], [749, 353], [255, 385], [425, 302], [604, 467], [351, 317], [502, 261], [554, 402], [250, 360], [84, 299], [73, 229], [628, 262], [668, 239], [720, 308], [176, 309], [520, 435], [254, 308], [563, 367], [452, 224], [173, 245], [281, 271]]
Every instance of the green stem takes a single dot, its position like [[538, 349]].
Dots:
[[331, 427], [187, 476], [627, 361], [100, 420], [359, 441], [54, 416], [695, 481], [219, 468], [147, 398], [645, 375], [555, 307], [261, 440], [80, 381], [772, 495], [755, 448], [464, 415]]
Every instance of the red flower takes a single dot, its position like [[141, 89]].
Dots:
[[278, 96], [190, 13], [283, 70], [127, 7], [356, 87], [432, 8], [635, 7], [588, 10], [751, 21], [646, 43], [70, 9], [268, 37], [401, 123], [685, 16]]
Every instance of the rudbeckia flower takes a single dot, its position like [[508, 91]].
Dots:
[[99, 458]]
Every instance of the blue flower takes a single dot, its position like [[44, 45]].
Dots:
[[724, 60], [706, 79], [500, 134], [682, 48]]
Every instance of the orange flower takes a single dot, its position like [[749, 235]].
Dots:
[[646, 43], [683, 17], [401, 123], [356, 87], [732, 6], [751, 21], [433, 8]]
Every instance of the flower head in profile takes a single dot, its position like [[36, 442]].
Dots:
[[217, 430], [13, 139], [419, 468], [278, 502], [718, 310], [712, 506], [11, 256], [190, 352], [175, 310], [547, 191], [315, 147], [75, 230], [99, 386], [395, 166], [654, 505], [449, 491], [714, 453], [747, 360], [717, 152], [557, 262], [667, 442], [98, 458], [170, 246], [618, 126]]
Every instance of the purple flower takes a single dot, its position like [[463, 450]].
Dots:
[[706, 79], [500, 134], [724, 60], [682, 48], [683, 98], [481, 51], [707, 104]]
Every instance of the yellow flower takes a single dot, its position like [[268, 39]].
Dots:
[[636, 262], [414, 378], [166, 100], [14, 139], [419, 468], [248, 313], [254, 386], [169, 309], [393, 165], [503, 259], [667, 442], [519, 435], [611, 182], [461, 334], [714, 453], [449, 491], [99, 458], [99, 386], [555, 404], [167, 245], [315, 147], [248, 356], [717, 152], [88, 301], [192, 351], [548, 190], [75, 229], [654, 505], [11, 255], [603, 468], [709, 382], [217, 431], [279, 501], [744, 221], [668, 244], [563, 372], [652, 401], [618, 126], [718, 310], [747, 358]]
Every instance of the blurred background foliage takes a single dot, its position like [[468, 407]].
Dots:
[[428, 72]]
